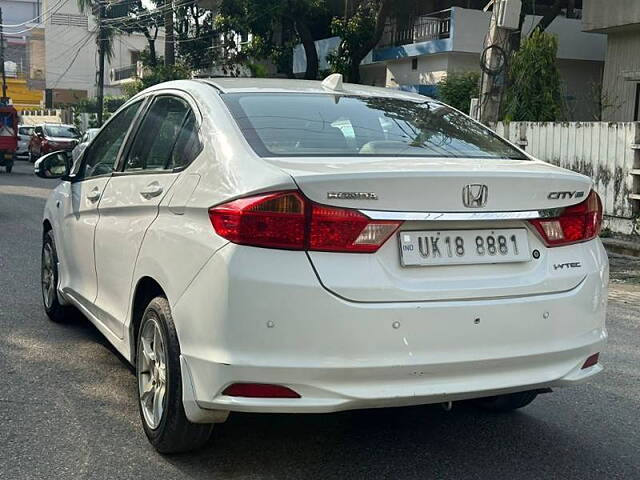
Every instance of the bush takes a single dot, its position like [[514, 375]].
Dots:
[[534, 93], [457, 89]]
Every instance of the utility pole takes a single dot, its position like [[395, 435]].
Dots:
[[4, 100], [169, 44], [102, 41], [504, 19]]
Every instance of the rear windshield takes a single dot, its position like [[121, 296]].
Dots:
[[26, 130], [311, 125], [63, 131]]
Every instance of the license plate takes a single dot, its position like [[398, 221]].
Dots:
[[463, 247]]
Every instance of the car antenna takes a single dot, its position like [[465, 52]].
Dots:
[[333, 82]]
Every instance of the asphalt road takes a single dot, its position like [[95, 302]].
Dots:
[[68, 404]]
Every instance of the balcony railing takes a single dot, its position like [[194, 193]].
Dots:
[[124, 73], [432, 26]]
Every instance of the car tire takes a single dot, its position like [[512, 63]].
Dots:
[[160, 384], [49, 281], [506, 403]]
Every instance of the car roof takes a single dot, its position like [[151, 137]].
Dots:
[[283, 85], [286, 85]]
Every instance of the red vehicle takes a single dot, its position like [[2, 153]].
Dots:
[[8, 136], [52, 137]]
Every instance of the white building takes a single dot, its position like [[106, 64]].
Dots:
[[72, 53], [439, 43]]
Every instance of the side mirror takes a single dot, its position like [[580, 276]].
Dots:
[[53, 165]]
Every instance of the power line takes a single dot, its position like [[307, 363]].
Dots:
[[43, 20], [73, 60], [6, 25]]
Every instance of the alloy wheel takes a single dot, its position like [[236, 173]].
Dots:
[[48, 276], [152, 372]]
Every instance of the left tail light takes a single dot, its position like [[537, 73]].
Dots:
[[577, 223], [288, 220]]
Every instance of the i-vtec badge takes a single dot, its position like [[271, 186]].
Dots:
[[352, 196], [562, 266], [564, 195]]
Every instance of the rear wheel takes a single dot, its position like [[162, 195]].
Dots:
[[49, 280], [506, 403], [160, 384]]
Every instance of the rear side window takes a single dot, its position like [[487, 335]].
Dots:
[[167, 137], [308, 125]]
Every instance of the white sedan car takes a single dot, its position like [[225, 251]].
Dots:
[[263, 245]]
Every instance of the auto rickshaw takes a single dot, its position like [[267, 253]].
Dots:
[[8, 136]]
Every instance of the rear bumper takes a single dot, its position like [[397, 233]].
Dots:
[[251, 317]]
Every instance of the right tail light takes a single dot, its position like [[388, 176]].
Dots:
[[577, 223]]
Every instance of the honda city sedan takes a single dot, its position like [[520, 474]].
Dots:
[[270, 245]]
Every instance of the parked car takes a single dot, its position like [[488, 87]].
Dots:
[[86, 138], [24, 137], [51, 137], [256, 245]]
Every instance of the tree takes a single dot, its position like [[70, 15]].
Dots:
[[301, 20], [534, 93], [359, 34], [457, 89], [132, 17]]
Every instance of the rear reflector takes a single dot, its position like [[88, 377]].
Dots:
[[577, 223], [259, 390], [591, 361], [288, 220]]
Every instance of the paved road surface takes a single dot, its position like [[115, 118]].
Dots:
[[68, 407]]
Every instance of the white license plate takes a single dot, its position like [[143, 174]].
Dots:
[[463, 247]]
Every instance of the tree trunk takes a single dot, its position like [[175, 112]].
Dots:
[[358, 55], [309, 49], [169, 43], [151, 41], [551, 15]]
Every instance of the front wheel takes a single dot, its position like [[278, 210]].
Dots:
[[160, 384], [49, 281], [506, 403]]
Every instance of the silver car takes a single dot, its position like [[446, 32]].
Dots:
[[24, 136]]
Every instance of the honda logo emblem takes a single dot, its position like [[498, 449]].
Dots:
[[475, 195]]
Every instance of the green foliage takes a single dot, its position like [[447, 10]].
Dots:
[[534, 93], [457, 89], [90, 105], [354, 33], [288, 21], [155, 75]]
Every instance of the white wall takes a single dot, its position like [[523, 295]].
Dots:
[[71, 53], [431, 69], [600, 150], [470, 29]]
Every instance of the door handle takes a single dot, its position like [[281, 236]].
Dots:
[[94, 195], [152, 190]]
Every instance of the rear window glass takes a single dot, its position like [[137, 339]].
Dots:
[[314, 125], [62, 131], [26, 130]]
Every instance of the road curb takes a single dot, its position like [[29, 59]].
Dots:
[[622, 247]]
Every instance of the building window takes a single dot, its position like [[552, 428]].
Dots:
[[636, 112], [414, 64]]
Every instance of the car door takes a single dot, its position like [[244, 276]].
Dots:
[[80, 214], [36, 139], [130, 203]]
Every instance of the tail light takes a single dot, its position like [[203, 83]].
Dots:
[[290, 221], [577, 223]]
